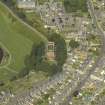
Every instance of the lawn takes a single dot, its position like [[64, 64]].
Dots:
[[18, 39], [75, 5]]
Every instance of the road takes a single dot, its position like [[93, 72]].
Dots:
[[26, 98], [91, 71]]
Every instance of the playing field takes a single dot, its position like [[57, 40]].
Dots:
[[18, 40]]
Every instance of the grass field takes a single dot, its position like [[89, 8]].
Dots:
[[18, 39]]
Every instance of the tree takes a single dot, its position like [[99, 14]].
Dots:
[[75, 5], [73, 44], [60, 47], [37, 62], [22, 15], [23, 73], [36, 56]]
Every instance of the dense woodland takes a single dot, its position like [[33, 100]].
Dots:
[[38, 62]]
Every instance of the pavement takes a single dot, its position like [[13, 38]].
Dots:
[[91, 71], [26, 98]]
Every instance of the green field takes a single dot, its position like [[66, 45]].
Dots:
[[18, 39]]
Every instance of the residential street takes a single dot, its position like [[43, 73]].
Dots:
[[77, 79]]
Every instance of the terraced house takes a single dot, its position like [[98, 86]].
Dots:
[[26, 4]]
